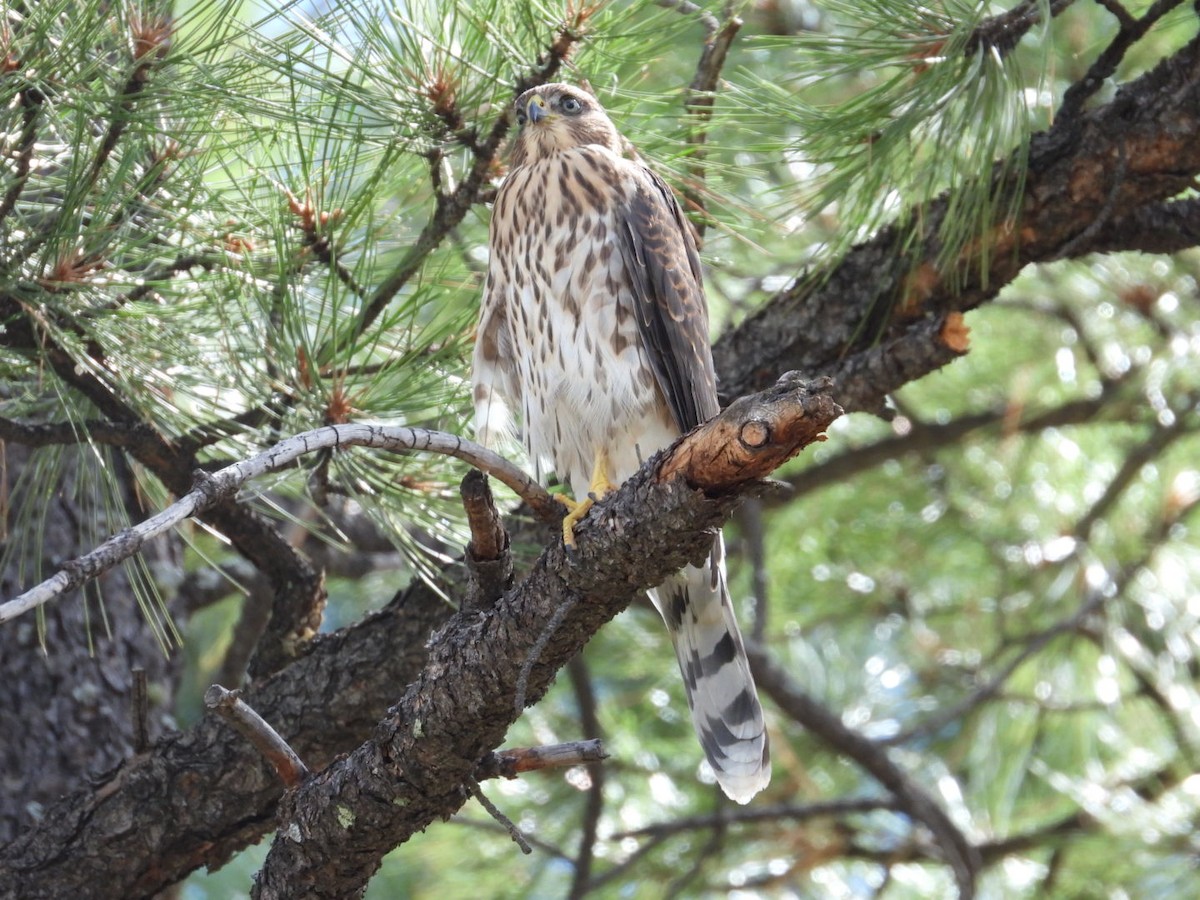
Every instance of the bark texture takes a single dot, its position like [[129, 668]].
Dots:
[[67, 710]]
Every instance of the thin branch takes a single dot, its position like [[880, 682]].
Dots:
[[247, 632], [958, 852], [151, 37], [213, 489], [619, 870], [493, 826], [753, 532], [254, 728], [1106, 64], [1105, 215], [741, 815], [494, 811], [451, 208], [699, 99], [924, 437], [1108, 592], [1003, 32], [31, 101], [1031, 646], [140, 707], [1160, 439], [589, 722], [680, 883], [535, 654]]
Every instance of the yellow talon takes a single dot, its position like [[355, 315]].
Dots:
[[577, 509]]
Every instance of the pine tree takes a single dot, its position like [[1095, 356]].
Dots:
[[220, 228]]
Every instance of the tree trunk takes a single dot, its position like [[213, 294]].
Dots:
[[66, 698]]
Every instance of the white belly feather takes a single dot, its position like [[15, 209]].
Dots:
[[583, 381]]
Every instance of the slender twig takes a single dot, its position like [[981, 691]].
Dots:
[[1031, 646], [247, 631], [729, 815], [212, 489], [1150, 449], [1106, 64], [451, 208], [926, 437], [535, 654], [266, 740], [618, 871], [151, 38], [691, 9], [699, 859], [31, 102], [1001, 33], [1097, 222], [315, 226], [1108, 592], [535, 842], [753, 532], [513, 831], [698, 100]]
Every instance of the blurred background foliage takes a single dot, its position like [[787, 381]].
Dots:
[[1000, 583]]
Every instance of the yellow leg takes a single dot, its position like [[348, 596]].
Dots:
[[577, 509]]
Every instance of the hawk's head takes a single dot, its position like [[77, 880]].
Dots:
[[557, 117]]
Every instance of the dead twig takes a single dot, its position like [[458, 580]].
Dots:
[[254, 728]]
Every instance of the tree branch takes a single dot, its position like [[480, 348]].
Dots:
[[254, 728], [201, 795], [816, 325], [958, 852], [414, 768], [221, 486]]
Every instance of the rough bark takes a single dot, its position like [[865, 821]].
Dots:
[[67, 702], [415, 768], [1096, 181], [200, 795]]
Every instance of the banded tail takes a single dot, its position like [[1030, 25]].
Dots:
[[726, 713]]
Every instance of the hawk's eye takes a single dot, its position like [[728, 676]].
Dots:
[[521, 119], [571, 106]]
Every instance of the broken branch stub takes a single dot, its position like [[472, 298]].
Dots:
[[754, 435]]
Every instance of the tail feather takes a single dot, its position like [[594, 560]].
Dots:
[[716, 675]]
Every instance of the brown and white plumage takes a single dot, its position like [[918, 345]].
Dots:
[[594, 333]]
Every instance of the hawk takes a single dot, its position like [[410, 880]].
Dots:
[[594, 330]]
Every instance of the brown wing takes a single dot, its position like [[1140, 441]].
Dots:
[[672, 313]]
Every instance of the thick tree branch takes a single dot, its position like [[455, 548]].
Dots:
[[827, 323], [201, 795], [416, 765], [219, 794]]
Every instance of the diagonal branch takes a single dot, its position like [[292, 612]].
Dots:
[[829, 322], [957, 851], [451, 208], [413, 770]]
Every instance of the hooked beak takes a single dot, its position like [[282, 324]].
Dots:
[[536, 110]]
